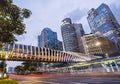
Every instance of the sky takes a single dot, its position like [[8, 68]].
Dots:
[[50, 13]]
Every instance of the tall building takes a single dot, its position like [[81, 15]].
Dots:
[[48, 39], [103, 21], [79, 33], [71, 33], [95, 44]]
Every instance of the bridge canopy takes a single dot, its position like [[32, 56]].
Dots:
[[22, 52]]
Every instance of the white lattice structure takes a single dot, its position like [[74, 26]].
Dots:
[[20, 52]]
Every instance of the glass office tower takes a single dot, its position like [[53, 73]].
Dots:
[[48, 39], [103, 21], [71, 33]]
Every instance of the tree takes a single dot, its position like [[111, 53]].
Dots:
[[11, 21], [31, 66], [19, 69], [26, 64], [1, 66]]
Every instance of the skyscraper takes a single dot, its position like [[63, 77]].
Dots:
[[48, 39], [103, 21], [79, 33], [71, 33]]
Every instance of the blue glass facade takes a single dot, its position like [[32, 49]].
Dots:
[[103, 21], [71, 34], [48, 39]]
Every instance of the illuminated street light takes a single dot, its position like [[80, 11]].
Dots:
[[97, 43], [4, 61], [6, 57]]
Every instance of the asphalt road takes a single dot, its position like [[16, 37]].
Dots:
[[67, 80]]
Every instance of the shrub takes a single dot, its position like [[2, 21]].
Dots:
[[8, 81], [3, 78]]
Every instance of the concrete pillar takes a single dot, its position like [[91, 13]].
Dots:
[[117, 66], [111, 67], [49, 54], [91, 68], [42, 54], [57, 55], [105, 67], [31, 51]]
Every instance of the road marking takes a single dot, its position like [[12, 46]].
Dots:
[[53, 79], [42, 82], [25, 81], [78, 83], [48, 82]]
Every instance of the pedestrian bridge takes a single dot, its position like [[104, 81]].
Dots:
[[19, 52]]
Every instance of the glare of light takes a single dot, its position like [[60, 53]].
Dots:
[[6, 56], [97, 43]]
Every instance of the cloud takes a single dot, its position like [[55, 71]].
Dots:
[[21, 37], [50, 13], [75, 15], [85, 24]]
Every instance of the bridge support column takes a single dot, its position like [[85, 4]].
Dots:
[[106, 67], [38, 68], [116, 66], [92, 67], [83, 70], [71, 70], [112, 67], [42, 54]]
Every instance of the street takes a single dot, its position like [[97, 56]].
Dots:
[[66, 80]]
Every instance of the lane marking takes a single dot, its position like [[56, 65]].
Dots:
[[25, 81], [48, 82], [78, 83], [40, 81]]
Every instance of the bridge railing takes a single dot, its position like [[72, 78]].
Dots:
[[28, 52]]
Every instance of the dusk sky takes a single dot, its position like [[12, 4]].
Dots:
[[50, 13]]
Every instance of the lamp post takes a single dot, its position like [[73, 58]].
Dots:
[[4, 61], [97, 43], [4, 65], [105, 52]]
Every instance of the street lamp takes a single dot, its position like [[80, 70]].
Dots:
[[4, 64], [97, 43], [6, 56], [3, 49]]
